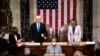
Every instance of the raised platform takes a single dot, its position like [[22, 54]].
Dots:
[[87, 48]]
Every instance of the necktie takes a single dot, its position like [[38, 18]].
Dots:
[[73, 29], [38, 27]]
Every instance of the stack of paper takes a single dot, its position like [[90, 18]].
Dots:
[[32, 44], [62, 43], [90, 42], [46, 43]]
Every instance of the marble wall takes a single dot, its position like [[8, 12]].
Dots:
[[32, 15], [96, 19], [15, 8], [79, 15]]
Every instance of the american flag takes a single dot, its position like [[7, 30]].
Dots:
[[56, 13]]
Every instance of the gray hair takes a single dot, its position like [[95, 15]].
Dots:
[[78, 53]]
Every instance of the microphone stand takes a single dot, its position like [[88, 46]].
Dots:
[[54, 50]]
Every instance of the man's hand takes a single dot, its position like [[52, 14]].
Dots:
[[43, 36], [32, 41]]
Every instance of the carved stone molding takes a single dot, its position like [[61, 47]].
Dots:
[[5, 15]]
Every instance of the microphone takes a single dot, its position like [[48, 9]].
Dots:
[[54, 49], [54, 45]]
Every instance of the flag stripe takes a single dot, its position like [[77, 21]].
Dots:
[[71, 9], [41, 14], [47, 16], [59, 14], [65, 11], [62, 12], [50, 17], [74, 9], [38, 11], [68, 11], [44, 16], [56, 21], [53, 19]]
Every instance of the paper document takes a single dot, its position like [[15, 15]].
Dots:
[[29, 43], [90, 42]]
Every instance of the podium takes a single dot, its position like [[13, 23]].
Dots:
[[54, 54], [87, 48]]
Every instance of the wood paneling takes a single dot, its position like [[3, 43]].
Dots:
[[87, 50]]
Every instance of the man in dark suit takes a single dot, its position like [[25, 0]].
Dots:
[[38, 31]]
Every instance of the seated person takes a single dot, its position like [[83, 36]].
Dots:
[[98, 47], [27, 52], [53, 48], [38, 31], [78, 53]]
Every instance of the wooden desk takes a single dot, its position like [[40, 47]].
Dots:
[[87, 50]]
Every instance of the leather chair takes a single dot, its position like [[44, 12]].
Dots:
[[50, 32], [63, 33]]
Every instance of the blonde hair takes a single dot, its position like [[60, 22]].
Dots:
[[78, 53]]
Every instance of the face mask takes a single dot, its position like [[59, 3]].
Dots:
[[27, 51], [54, 43]]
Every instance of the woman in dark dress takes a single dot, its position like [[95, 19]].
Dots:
[[14, 37]]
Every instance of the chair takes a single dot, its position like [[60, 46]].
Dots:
[[50, 32], [63, 33]]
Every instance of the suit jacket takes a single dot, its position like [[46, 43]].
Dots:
[[3, 45], [12, 39], [76, 36], [35, 34]]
